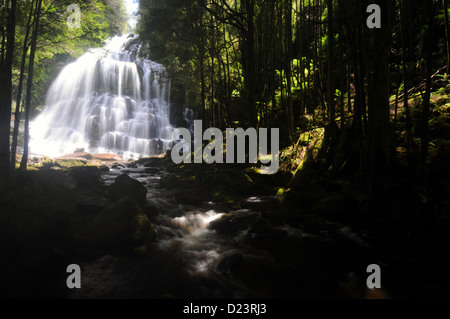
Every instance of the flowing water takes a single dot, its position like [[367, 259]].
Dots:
[[193, 259], [106, 101], [111, 101]]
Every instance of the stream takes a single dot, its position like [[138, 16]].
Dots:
[[196, 255]]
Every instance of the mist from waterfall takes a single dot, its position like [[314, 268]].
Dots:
[[107, 101]]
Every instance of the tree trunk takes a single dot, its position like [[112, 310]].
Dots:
[[331, 65], [405, 58], [379, 133], [5, 90], [428, 47], [19, 89], [288, 59], [24, 162], [447, 33], [249, 65]]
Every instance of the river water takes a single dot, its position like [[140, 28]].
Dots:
[[196, 256]]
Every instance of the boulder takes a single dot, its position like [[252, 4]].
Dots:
[[119, 227], [234, 179], [68, 162], [86, 176], [125, 186], [108, 157], [152, 161], [76, 155]]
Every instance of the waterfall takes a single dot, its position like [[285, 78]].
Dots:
[[107, 101]]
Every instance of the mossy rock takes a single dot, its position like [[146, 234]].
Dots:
[[234, 179], [223, 194], [119, 227], [125, 186], [173, 181], [70, 162]]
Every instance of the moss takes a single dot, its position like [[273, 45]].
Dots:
[[67, 163]]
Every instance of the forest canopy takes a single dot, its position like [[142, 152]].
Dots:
[[303, 65]]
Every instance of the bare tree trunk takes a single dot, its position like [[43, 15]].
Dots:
[[428, 45], [331, 65], [19, 89], [249, 54], [447, 32], [6, 88], [24, 162], [405, 58], [379, 130], [288, 59]]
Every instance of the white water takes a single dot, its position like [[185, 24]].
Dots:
[[107, 101]]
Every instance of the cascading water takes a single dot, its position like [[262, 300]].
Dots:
[[106, 101]]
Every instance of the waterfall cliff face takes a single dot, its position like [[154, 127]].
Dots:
[[106, 101]]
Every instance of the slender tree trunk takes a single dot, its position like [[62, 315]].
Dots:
[[249, 54], [288, 68], [202, 72], [331, 65], [405, 61], [447, 33], [19, 90], [379, 130], [24, 162], [6, 89], [425, 136]]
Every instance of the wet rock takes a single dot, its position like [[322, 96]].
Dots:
[[172, 181], [152, 170], [150, 210], [262, 235], [230, 225], [119, 227], [132, 165], [230, 262], [234, 179], [77, 155], [125, 186], [260, 203], [117, 166], [86, 176], [103, 168], [223, 194], [108, 157], [153, 162], [190, 197]]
